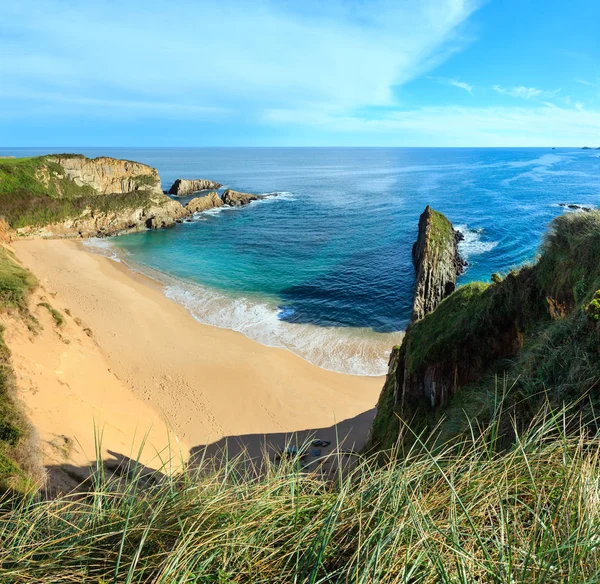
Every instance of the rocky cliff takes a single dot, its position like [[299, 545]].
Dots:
[[436, 260], [525, 341], [182, 187], [73, 196], [109, 175]]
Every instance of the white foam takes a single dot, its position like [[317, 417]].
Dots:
[[472, 244], [342, 349], [102, 247]]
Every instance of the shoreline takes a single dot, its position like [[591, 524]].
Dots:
[[194, 297], [209, 383]]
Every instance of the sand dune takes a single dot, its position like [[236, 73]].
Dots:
[[149, 359]]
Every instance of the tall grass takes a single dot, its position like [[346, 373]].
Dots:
[[464, 513]]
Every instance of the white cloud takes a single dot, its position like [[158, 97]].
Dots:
[[525, 92], [230, 54], [545, 125], [461, 85]]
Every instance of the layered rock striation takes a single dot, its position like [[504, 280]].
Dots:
[[182, 186], [437, 261], [237, 199], [108, 175]]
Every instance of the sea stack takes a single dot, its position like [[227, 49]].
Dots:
[[182, 186], [436, 260]]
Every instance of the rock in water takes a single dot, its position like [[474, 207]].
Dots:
[[437, 261], [182, 186], [235, 199], [209, 201]]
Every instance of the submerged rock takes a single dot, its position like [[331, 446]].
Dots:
[[209, 201], [182, 186], [436, 260]]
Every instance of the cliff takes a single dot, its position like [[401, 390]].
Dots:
[[182, 187], [536, 329], [436, 260], [74, 196], [108, 175]]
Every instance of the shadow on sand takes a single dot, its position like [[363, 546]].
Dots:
[[324, 448]]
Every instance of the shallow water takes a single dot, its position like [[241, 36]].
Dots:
[[325, 268]]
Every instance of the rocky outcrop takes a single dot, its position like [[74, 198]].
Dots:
[[108, 175], [209, 201], [436, 260], [236, 199], [182, 186], [157, 212]]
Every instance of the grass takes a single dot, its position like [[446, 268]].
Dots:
[[56, 315], [35, 192], [16, 284], [536, 327], [466, 513]]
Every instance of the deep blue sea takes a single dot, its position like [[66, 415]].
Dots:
[[324, 269]]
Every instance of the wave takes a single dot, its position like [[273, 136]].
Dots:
[[268, 198], [355, 351], [472, 244], [102, 247]]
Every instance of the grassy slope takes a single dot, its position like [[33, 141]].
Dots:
[[16, 284], [464, 514], [559, 358], [32, 193]]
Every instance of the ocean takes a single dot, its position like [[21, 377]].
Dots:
[[324, 269]]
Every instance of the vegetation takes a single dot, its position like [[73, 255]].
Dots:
[[16, 284], [35, 191], [56, 315], [466, 513], [535, 328]]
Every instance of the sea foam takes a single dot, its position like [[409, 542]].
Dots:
[[355, 351]]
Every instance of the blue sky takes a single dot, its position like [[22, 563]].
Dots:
[[291, 73]]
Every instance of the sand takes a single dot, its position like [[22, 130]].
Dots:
[[149, 362]]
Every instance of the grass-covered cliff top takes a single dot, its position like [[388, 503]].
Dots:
[[525, 338], [36, 191]]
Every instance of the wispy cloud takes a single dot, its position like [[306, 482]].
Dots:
[[228, 54], [461, 85], [524, 92], [454, 82], [544, 125]]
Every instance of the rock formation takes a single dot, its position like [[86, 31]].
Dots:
[[100, 196], [236, 199], [155, 213], [182, 186], [108, 175], [437, 261], [209, 201]]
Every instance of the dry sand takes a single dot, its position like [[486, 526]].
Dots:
[[149, 359]]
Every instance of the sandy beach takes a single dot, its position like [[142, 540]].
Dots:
[[154, 364]]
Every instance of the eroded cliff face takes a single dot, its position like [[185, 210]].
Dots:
[[109, 175], [155, 213], [437, 262], [182, 187], [452, 343]]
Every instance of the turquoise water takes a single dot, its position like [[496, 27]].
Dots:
[[325, 269]]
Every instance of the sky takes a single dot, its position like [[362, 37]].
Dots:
[[299, 73]]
